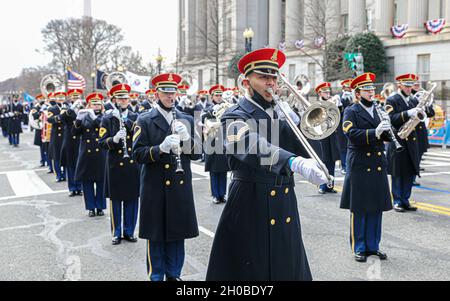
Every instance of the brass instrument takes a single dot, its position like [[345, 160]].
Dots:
[[426, 99], [398, 147], [302, 139], [306, 83], [179, 170], [388, 89], [319, 120], [50, 84]]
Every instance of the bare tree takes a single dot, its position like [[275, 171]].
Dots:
[[28, 80]]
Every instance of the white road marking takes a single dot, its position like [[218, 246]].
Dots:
[[18, 197], [206, 232], [199, 170], [27, 183]]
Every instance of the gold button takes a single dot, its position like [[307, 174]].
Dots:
[[421, 128], [414, 139], [167, 183], [121, 164], [369, 154], [167, 166], [59, 128], [273, 193], [286, 191], [96, 139], [74, 137], [369, 170], [128, 137], [273, 222], [380, 169], [181, 182], [97, 150], [379, 154], [120, 151], [89, 151], [88, 141], [129, 149], [288, 220], [131, 161], [96, 130], [88, 130], [59, 135], [407, 139]]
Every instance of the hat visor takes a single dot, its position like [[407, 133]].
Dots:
[[367, 88], [407, 84], [122, 96], [168, 90], [275, 74]]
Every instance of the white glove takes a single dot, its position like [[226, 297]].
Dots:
[[415, 112], [82, 114], [181, 130], [11, 114], [384, 126], [310, 170], [169, 143], [182, 102], [120, 135], [92, 114], [288, 109], [116, 114], [385, 116]]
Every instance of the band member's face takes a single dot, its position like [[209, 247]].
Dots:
[[260, 83], [123, 102], [347, 89], [167, 99], [325, 95], [95, 107], [217, 99], [407, 90], [151, 97], [416, 87], [367, 94]]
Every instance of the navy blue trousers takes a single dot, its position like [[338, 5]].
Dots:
[[402, 189], [344, 159], [331, 166], [165, 259], [4, 132], [94, 197], [14, 139], [365, 232], [59, 170], [43, 154], [74, 186], [130, 215], [218, 184]]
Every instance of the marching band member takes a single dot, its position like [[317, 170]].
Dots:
[[366, 188], [258, 237], [134, 103], [90, 169], [56, 138], [122, 172], [422, 131], [46, 132], [15, 122], [403, 166], [167, 214], [4, 121], [109, 106], [344, 101], [216, 163], [149, 103], [36, 124], [329, 146], [71, 143]]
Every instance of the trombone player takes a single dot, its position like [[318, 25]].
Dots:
[[258, 237]]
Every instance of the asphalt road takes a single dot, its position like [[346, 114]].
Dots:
[[45, 235]]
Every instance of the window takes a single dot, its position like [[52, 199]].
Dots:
[[344, 24], [292, 72], [212, 76], [390, 73], [369, 19], [423, 67]]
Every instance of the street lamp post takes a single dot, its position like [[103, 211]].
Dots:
[[93, 76], [159, 60], [248, 36]]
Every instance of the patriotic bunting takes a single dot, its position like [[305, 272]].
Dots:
[[399, 31], [435, 26]]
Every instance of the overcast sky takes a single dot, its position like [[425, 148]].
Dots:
[[146, 26]]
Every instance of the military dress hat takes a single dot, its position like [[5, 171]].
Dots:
[[167, 82], [323, 87], [217, 90], [60, 96], [150, 92], [40, 97], [267, 61], [95, 98], [183, 88], [347, 82], [364, 82], [407, 79], [51, 96], [203, 92], [120, 91], [134, 95], [74, 92]]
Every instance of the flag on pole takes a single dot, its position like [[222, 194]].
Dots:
[[101, 80], [75, 81], [138, 83], [27, 97]]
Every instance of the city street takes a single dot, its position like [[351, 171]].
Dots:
[[45, 235]]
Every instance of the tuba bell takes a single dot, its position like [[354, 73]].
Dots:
[[50, 84], [115, 78]]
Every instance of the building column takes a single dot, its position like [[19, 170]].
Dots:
[[190, 29], [385, 12], [357, 16], [417, 16], [447, 15], [294, 22], [434, 9], [201, 28], [274, 23], [402, 12], [309, 21]]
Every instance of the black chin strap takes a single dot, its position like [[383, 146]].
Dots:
[[259, 99]]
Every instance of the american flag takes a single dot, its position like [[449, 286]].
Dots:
[[75, 80]]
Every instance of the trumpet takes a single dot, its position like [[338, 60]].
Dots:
[[303, 139], [426, 98]]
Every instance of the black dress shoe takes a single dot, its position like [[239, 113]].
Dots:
[[216, 201], [80, 193], [322, 191], [58, 180], [132, 239], [72, 194], [380, 254], [50, 172], [360, 257], [399, 208], [63, 179], [100, 212], [42, 165], [416, 184], [173, 279], [410, 208], [116, 241], [223, 200], [91, 213], [331, 190]]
